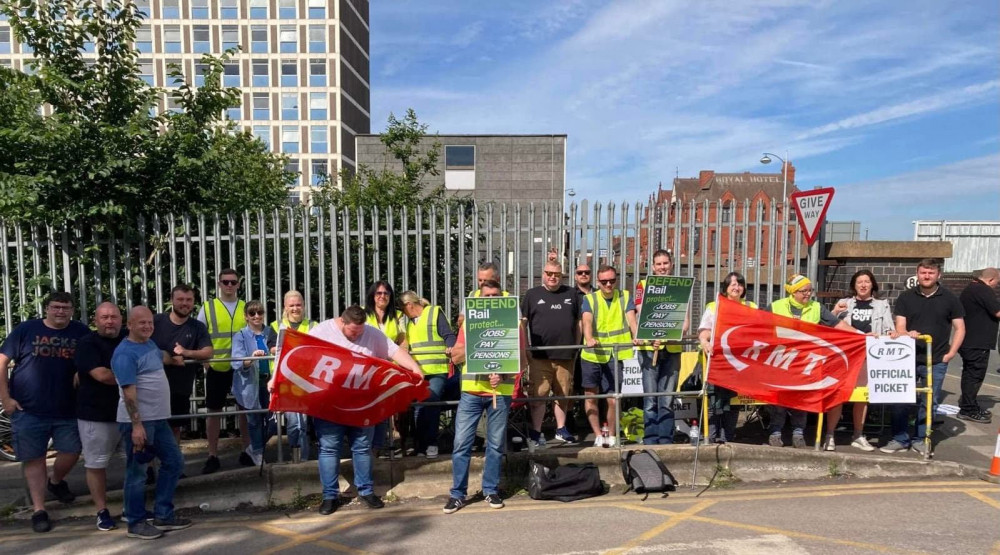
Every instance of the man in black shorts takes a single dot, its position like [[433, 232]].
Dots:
[[181, 337]]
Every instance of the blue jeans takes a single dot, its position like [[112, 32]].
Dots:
[[161, 438], [658, 412], [428, 419], [30, 435], [331, 437], [470, 409], [379, 439], [261, 425], [901, 412], [297, 426]]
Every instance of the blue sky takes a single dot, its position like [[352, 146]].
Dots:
[[895, 104]]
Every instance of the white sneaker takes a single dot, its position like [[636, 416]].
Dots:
[[599, 441], [861, 442], [830, 445], [611, 442], [432, 452], [257, 459]]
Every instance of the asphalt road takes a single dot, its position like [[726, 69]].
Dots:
[[837, 516]]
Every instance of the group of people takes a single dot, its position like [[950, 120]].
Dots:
[[90, 391]]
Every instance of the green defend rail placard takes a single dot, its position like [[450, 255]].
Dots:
[[492, 344], [664, 304]]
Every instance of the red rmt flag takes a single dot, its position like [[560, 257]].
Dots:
[[783, 361], [327, 381]]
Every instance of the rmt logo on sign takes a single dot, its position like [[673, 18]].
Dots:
[[778, 366]]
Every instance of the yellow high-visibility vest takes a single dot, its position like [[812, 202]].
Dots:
[[222, 326], [427, 346], [304, 326], [610, 326], [391, 327], [810, 313]]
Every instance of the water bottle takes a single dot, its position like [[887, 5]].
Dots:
[[694, 433], [604, 434]]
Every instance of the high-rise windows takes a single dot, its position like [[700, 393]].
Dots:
[[172, 39], [287, 9], [258, 39], [258, 9], [263, 132], [261, 103], [259, 73], [289, 73], [201, 37], [288, 40], [200, 9], [317, 9], [289, 106], [290, 139], [317, 73], [229, 9], [231, 74], [318, 139], [143, 39], [317, 106], [317, 38], [171, 9]]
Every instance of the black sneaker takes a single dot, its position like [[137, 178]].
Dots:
[[495, 501], [211, 465], [453, 505], [245, 459], [104, 521], [143, 531], [985, 411], [328, 506], [172, 524], [40, 522], [61, 491], [974, 416], [372, 501], [150, 476]]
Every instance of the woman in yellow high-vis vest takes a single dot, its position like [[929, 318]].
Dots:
[[658, 412], [381, 312], [430, 340], [724, 416], [293, 316]]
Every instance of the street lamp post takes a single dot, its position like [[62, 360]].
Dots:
[[766, 159]]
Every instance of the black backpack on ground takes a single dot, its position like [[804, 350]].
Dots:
[[644, 472], [564, 483]]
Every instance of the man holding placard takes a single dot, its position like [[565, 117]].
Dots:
[[608, 318], [492, 359]]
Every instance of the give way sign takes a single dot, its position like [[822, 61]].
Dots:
[[810, 207]]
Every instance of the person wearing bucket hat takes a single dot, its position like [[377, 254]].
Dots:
[[800, 305]]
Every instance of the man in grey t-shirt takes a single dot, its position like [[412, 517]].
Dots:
[[143, 418]]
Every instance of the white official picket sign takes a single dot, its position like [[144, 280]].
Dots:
[[892, 376]]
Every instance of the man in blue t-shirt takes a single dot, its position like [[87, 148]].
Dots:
[[143, 419], [40, 400]]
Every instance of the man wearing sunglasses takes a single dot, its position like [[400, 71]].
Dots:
[[608, 318], [224, 316], [584, 286]]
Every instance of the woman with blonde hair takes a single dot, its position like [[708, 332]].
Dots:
[[293, 317]]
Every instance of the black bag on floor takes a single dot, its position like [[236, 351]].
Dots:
[[564, 483], [644, 472]]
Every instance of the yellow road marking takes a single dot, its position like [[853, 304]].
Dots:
[[315, 537], [996, 549], [671, 522], [985, 499]]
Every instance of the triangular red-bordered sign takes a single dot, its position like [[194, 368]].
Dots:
[[810, 207]]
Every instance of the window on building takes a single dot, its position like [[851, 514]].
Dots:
[[143, 39], [171, 9], [317, 106], [5, 40], [142, 6], [229, 9], [287, 38], [317, 38], [460, 157], [289, 106], [89, 47], [318, 139], [263, 132], [319, 172], [287, 9], [711, 241], [173, 106], [172, 39], [202, 39], [261, 103], [230, 36], [146, 69], [289, 73], [317, 73], [727, 212], [290, 139], [200, 9], [317, 9], [258, 9], [259, 74], [697, 240], [258, 38], [739, 239], [293, 167], [231, 74], [233, 113], [199, 74], [174, 80]]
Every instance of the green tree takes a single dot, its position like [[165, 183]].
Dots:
[[396, 184], [104, 152]]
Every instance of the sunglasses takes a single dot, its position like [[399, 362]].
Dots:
[[381, 293], [583, 272], [553, 274], [607, 281], [229, 282], [255, 313]]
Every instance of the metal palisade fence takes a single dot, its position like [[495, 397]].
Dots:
[[332, 255]]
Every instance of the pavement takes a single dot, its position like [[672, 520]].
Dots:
[[962, 449]]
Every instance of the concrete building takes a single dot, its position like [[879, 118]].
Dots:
[[303, 67], [502, 168]]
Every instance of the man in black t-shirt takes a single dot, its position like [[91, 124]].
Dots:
[[927, 309], [982, 320], [551, 312], [97, 404], [181, 338]]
